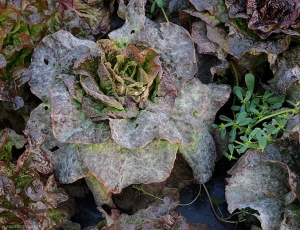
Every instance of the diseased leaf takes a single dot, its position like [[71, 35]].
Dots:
[[173, 42], [195, 107], [286, 71], [134, 15], [67, 163], [153, 163], [178, 5], [2, 61], [137, 133], [98, 15], [65, 158], [101, 194], [34, 191], [161, 216], [8, 139], [69, 123], [38, 160], [201, 157], [265, 182], [46, 58]]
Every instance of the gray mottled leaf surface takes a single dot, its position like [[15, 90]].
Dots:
[[69, 122], [48, 56], [266, 182], [118, 167]]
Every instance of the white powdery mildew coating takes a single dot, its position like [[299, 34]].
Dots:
[[70, 124], [118, 167], [45, 63]]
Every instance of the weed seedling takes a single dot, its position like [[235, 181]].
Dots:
[[257, 119]]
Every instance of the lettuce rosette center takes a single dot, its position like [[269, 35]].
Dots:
[[116, 82]]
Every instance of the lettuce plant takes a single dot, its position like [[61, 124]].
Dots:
[[123, 111], [29, 196], [267, 17], [22, 26], [252, 34]]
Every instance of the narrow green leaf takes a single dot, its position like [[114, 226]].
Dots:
[[250, 82], [153, 7], [275, 131], [241, 116], [248, 95], [232, 135], [238, 92], [246, 121], [235, 108], [276, 99], [231, 148], [276, 106], [224, 118]]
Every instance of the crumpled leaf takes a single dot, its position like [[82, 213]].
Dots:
[[27, 197], [134, 15], [162, 216], [266, 182], [195, 107], [65, 158], [173, 42], [8, 139], [137, 133], [291, 217], [46, 58], [153, 163], [201, 157], [131, 199], [69, 123], [191, 118], [101, 194], [286, 71], [178, 5], [97, 14]]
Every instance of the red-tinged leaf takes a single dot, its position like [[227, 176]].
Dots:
[[8, 139], [2, 61], [285, 71], [45, 60], [90, 86], [138, 132], [7, 186], [155, 163], [53, 195], [21, 75], [266, 182], [87, 64], [195, 108], [36, 158], [4, 92], [68, 164], [35, 190], [73, 88], [174, 44], [69, 122], [15, 4], [160, 216]]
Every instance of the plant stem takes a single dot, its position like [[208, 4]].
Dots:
[[214, 211], [236, 83], [164, 13], [194, 199], [273, 115], [147, 193], [240, 143]]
